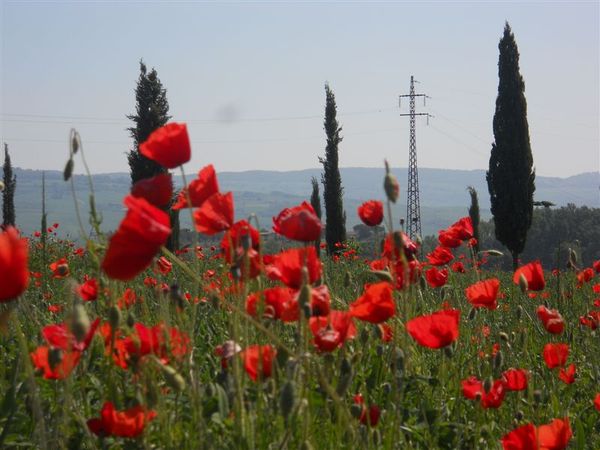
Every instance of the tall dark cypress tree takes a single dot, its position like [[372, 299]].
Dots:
[[315, 201], [335, 227], [8, 195], [511, 177], [151, 113]]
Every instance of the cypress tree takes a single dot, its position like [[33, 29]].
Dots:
[[315, 201], [511, 177], [8, 195], [151, 113], [335, 227], [474, 215]]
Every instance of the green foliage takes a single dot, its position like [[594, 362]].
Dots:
[[335, 227], [151, 113], [511, 178], [8, 195]]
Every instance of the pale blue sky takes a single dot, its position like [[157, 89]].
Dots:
[[248, 78]]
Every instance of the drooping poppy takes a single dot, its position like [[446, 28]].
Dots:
[[555, 435], [157, 190], [435, 330], [14, 273], [533, 273], [440, 256], [299, 223], [142, 232], [567, 375], [371, 212], [332, 331], [199, 189], [515, 379], [215, 214], [436, 278], [522, 438], [168, 146], [129, 423], [258, 361], [555, 355], [287, 266], [484, 293], [376, 305], [551, 319]]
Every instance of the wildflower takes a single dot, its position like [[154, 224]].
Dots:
[[555, 355], [157, 190], [129, 423], [440, 256], [215, 214], [555, 435], [168, 146], [376, 305], [88, 290], [163, 265], [287, 266], [299, 223], [55, 370], [14, 273], [435, 330], [371, 212], [60, 268], [484, 293], [332, 331], [199, 190], [515, 379], [567, 375], [533, 274], [258, 361], [436, 278], [551, 319]]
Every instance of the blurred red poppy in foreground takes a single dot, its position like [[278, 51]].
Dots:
[[533, 273], [14, 273], [258, 361], [435, 330], [299, 223], [553, 436], [484, 293], [522, 438], [157, 190], [371, 212], [555, 355], [169, 146], [376, 305], [129, 423], [552, 320], [142, 232], [200, 189], [215, 214]]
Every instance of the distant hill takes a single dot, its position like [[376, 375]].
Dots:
[[443, 194]]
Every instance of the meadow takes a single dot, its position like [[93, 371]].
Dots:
[[121, 343]]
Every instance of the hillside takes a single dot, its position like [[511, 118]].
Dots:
[[265, 193]]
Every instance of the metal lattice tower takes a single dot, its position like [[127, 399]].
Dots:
[[413, 207]]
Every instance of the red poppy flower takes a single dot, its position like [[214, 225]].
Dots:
[[552, 320], [555, 355], [370, 416], [88, 291], [163, 265], [555, 435], [515, 379], [495, 396], [484, 293], [157, 190], [376, 305], [436, 278], [215, 214], [585, 276], [448, 239], [458, 267], [320, 300], [287, 266], [233, 237], [169, 146], [596, 266], [62, 369], [258, 361], [332, 331], [591, 319], [471, 387], [435, 330], [396, 241], [142, 232], [14, 273], [567, 375], [129, 423], [199, 189], [462, 228], [60, 268], [371, 212], [59, 336], [385, 332], [533, 273], [597, 401], [299, 223], [279, 303], [522, 438], [440, 256]]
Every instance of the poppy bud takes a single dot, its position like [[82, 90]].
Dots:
[[399, 359], [68, 172], [55, 356], [519, 312], [503, 336], [130, 320], [422, 283], [114, 317], [176, 297], [305, 295], [345, 367], [364, 336], [523, 284], [472, 314], [387, 388], [74, 143], [391, 186], [356, 410], [383, 275], [345, 378], [379, 350], [487, 384], [173, 378], [80, 322], [519, 415], [498, 361], [287, 399], [347, 279], [448, 351]]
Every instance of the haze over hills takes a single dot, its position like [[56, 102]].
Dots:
[[443, 194]]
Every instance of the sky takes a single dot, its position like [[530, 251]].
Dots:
[[248, 79]]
